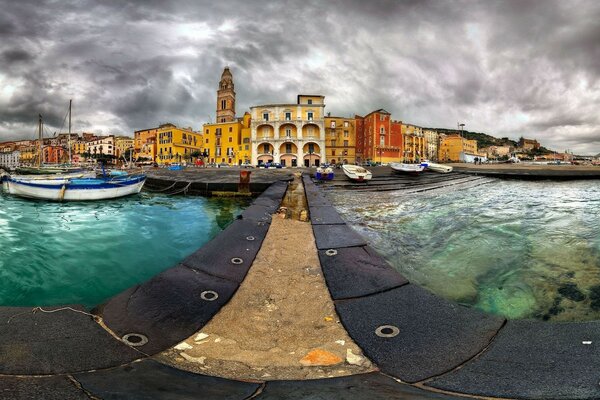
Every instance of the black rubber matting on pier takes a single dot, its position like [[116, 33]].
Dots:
[[534, 360], [433, 337], [38, 343], [149, 380], [43, 388], [357, 272], [168, 308]]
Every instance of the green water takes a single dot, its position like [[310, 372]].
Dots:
[[518, 249], [53, 253]]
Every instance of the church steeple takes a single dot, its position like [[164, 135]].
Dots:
[[226, 98]]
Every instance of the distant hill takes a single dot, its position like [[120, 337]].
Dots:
[[483, 139]]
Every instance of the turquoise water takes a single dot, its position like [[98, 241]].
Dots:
[[53, 253], [518, 249]]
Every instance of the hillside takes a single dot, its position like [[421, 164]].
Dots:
[[483, 139]]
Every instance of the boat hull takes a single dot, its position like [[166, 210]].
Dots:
[[413, 169], [76, 189], [440, 168], [356, 173]]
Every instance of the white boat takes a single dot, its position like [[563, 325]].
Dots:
[[76, 189], [441, 168], [407, 168], [357, 173]]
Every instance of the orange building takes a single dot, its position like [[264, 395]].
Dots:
[[142, 137], [378, 138], [53, 154]]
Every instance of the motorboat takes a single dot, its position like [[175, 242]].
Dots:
[[324, 174], [407, 168], [76, 189], [357, 173], [441, 168]]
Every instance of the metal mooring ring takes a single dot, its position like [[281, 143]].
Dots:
[[237, 260], [250, 238], [387, 331], [331, 252], [135, 339], [209, 295]]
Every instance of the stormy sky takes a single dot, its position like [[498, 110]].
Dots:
[[507, 68]]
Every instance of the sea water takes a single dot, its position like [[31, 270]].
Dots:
[[513, 248], [85, 252]]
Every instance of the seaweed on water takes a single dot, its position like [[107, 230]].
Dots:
[[571, 292]]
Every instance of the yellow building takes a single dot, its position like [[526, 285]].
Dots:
[[78, 146], [290, 134], [29, 154], [122, 144], [340, 140], [454, 148], [176, 145], [413, 143], [228, 142]]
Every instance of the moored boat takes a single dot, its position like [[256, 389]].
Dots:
[[441, 168], [407, 168], [324, 174], [76, 189], [356, 173]]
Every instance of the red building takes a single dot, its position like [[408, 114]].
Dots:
[[378, 138], [53, 154]]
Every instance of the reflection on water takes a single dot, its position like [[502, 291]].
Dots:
[[519, 249], [53, 253]]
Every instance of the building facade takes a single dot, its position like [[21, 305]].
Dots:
[[455, 148], [228, 139], [122, 144], [340, 140], [176, 145], [103, 145], [290, 134], [10, 160], [378, 138], [54, 154], [414, 144], [432, 142]]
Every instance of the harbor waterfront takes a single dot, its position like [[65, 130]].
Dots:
[[67, 253]]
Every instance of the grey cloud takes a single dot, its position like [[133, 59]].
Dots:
[[509, 68]]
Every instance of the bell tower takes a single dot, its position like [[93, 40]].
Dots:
[[226, 98]]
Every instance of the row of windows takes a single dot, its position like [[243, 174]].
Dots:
[[346, 124], [333, 142], [287, 116]]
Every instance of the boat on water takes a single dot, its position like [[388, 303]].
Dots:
[[407, 168], [324, 174], [356, 173], [75, 189]]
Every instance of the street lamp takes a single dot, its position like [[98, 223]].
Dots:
[[460, 127]]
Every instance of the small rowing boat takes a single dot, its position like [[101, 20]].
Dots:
[[357, 173], [407, 168], [441, 168], [324, 174], [76, 189]]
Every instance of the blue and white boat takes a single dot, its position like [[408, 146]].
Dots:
[[75, 189], [324, 174]]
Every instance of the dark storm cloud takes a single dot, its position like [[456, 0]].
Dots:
[[509, 68]]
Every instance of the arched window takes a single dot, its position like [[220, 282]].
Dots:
[[223, 104]]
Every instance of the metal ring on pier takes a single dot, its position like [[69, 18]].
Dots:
[[250, 238], [135, 339], [387, 331], [237, 260], [209, 295], [331, 252]]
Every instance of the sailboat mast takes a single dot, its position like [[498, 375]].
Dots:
[[69, 141], [40, 140]]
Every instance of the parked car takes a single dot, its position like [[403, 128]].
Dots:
[[275, 165], [246, 165], [211, 165], [223, 165]]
